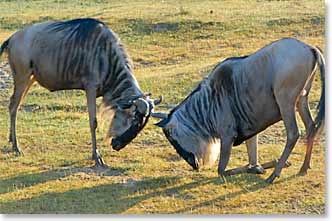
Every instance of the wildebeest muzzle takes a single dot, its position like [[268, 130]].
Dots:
[[189, 157], [144, 108], [121, 141]]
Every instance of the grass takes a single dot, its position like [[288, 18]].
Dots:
[[173, 46]]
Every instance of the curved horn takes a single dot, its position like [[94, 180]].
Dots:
[[159, 115], [135, 97], [158, 101]]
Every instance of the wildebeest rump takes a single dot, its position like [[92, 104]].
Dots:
[[79, 54], [243, 96]]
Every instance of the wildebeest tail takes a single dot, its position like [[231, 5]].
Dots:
[[4, 46], [319, 120]]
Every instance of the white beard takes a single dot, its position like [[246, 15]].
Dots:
[[208, 153]]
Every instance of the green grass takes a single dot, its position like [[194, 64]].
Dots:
[[173, 46]]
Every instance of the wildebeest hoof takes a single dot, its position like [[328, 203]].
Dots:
[[303, 171], [99, 160], [271, 178], [100, 163], [256, 169], [222, 173], [19, 152]]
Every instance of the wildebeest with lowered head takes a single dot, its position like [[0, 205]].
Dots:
[[79, 54], [243, 96]]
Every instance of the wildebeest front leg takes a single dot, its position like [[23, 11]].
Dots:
[[225, 153], [253, 166], [91, 101]]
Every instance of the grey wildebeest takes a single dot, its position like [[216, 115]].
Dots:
[[79, 54], [241, 97]]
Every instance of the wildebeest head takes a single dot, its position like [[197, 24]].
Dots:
[[128, 118], [193, 148]]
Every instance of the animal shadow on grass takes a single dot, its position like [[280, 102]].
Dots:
[[112, 198], [259, 183], [117, 197], [27, 180]]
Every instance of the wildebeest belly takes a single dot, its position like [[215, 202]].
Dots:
[[50, 78], [245, 134], [254, 111], [54, 83], [59, 66]]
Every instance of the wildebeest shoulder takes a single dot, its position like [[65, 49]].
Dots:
[[222, 80]]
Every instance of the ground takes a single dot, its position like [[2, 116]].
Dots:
[[173, 45]]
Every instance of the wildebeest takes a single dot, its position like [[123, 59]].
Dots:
[[79, 54], [241, 97]]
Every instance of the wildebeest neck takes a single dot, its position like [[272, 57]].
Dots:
[[197, 112], [119, 77], [118, 82]]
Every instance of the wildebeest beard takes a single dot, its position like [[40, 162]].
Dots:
[[138, 124], [187, 156]]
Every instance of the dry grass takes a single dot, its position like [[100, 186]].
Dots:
[[173, 45]]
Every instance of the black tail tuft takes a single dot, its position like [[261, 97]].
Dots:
[[4, 46]]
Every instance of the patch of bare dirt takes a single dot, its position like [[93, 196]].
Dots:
[[5, 77]]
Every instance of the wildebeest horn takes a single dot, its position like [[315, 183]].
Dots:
[[135, 97], [163, 122], [158, 101], [142, 106], [159, 115], [132, 99]]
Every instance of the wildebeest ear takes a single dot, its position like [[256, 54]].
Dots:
[[162, 123]]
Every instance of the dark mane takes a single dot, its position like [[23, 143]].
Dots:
[[235, 58], [199, 86], [81, 28], [125, 56], [191, 93]]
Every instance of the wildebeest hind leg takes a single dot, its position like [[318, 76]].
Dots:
[[306, 117], [22, 83], [91, 101], [287, 111], [304, 110], [245, 169]]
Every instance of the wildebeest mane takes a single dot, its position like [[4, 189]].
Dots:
[[81, 28], [200, 112], [198, 88], [94, 36], [189, 95], [235, 58]]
